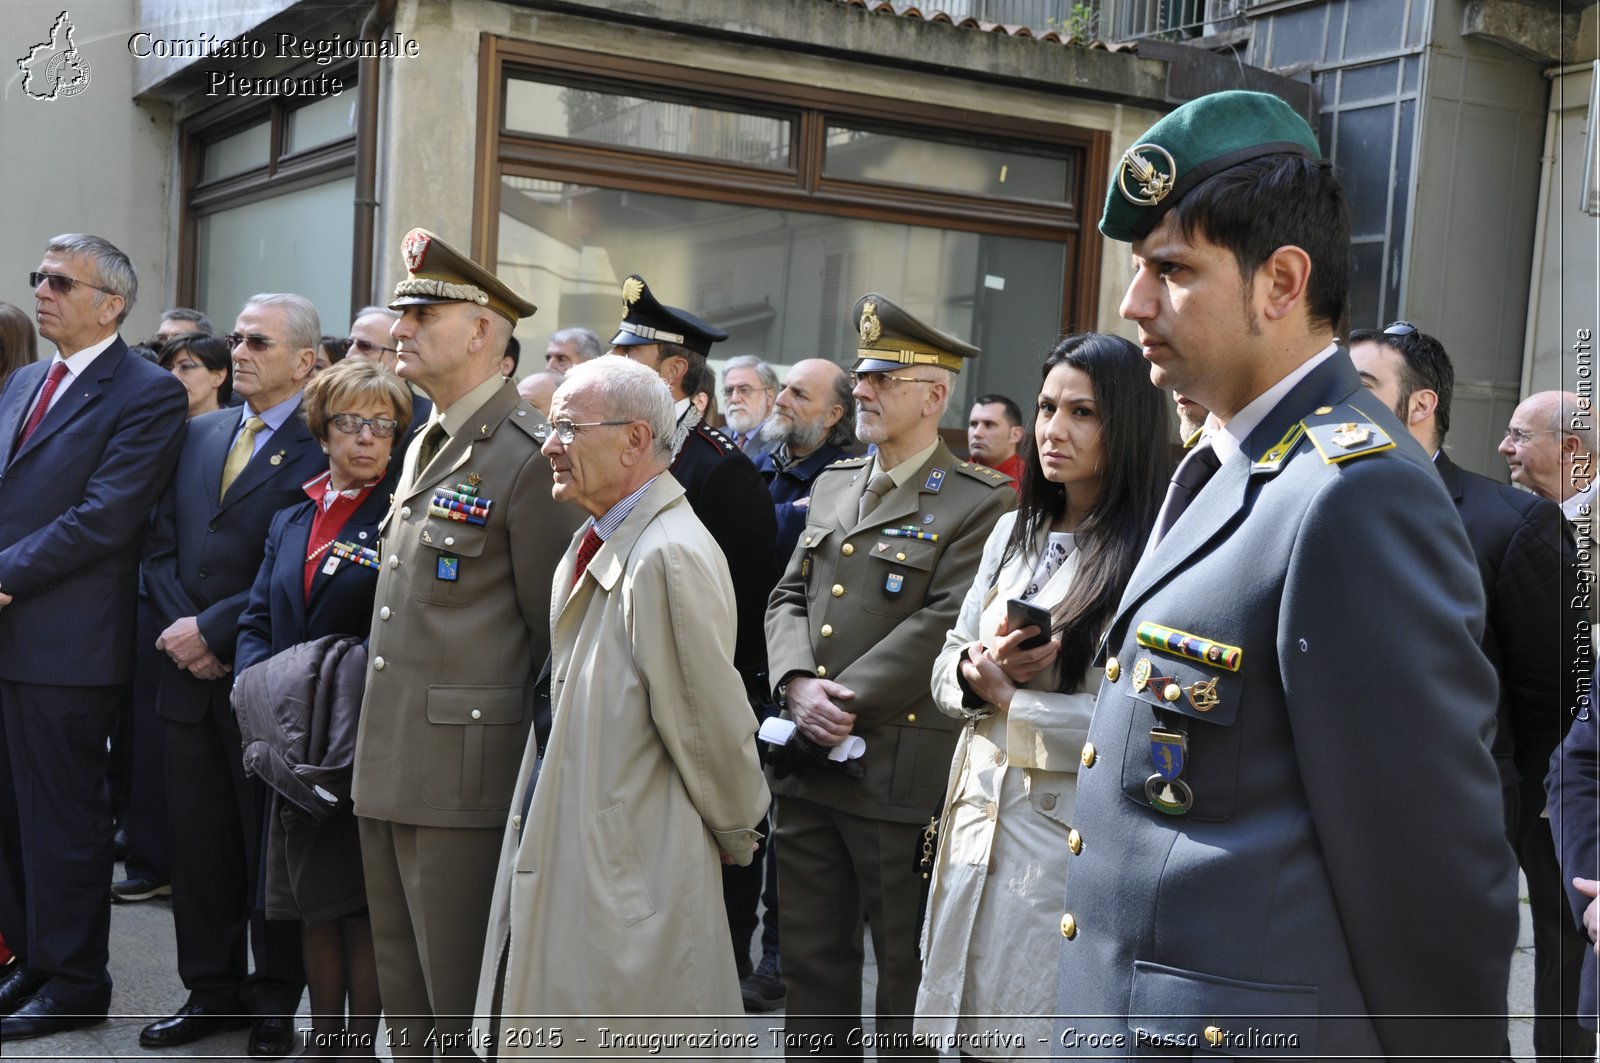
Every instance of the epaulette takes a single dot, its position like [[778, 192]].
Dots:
[[983, 474], [1343, 432], [527, 418], [716, 437], [850, 463]]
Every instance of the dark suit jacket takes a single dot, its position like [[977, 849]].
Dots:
[[1526, 557], [731, 500], [791, 495], [1574, 788], [204, 554], [73, 503], [279, 614]]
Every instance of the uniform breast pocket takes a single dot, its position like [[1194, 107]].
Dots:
[[476, 745], [1183, 735], [899, 575], [447, 557]]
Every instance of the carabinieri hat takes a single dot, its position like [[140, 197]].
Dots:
[[892, 338], [1202, 138], [438, 273], [645, 319]]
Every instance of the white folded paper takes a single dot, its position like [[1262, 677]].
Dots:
[[776, 731]]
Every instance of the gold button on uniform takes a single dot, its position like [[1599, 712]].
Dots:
[[827, 631], [449, 540], [477, 714], [405, 511], [847, 549], [838, 590], [1074, 841], [1113, 669], [1069, 926], [1324, 409], [901, 556], [911, 717], [383, 614], [1172, 692], [822, 672], [377, 664], [1088, 755], [394, 560]]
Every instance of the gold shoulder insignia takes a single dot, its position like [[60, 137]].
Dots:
[[1194, 437], [983, 474], [1274, 458], [846, 463], [1344, 432]]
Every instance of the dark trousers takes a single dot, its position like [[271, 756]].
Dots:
[[147, 754], [742, 892], [1558, 944], [55, 837], [214, 830], [835, 870]]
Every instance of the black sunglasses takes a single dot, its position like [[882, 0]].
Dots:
[[60, 284], [255, 343]]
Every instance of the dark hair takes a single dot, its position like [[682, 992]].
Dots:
[[1013, 412], [1423, 365], [514, 352], [212, 352], [698, 376], [1259, 206], [843, 433], [200, 322], [337, 347], [1111, 536], [19, 345]]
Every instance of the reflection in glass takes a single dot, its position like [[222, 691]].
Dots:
[[245, 150], [864, 155], [637, 122], [782, 283], [329, 119]]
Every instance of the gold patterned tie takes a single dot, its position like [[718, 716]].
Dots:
[[877, 487], [239, 455]]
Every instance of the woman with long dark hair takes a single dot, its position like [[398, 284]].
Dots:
[[1095, 469]]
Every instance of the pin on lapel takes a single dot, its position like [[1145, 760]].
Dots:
[[277, 459]]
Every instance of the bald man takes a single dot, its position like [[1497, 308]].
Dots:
[[1549, 446], [538, 388]]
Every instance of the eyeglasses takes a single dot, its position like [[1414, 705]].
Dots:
[[1521, 438], [1400, 328], [741, 390], [256, 343], [61, 284], [880, 380], [351, 425], [367, 347], [566, 430]]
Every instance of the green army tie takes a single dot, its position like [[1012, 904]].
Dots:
[[877, 487], [239, 455]]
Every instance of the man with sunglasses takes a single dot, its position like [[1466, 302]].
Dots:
[[238, 468], [87, 442], [460, 628], [891, 544], [1528, 564]]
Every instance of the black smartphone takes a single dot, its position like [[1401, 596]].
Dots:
[[1019, 614]]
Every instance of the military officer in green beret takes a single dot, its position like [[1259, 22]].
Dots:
[[1288, 839], [461, 623], [887, 554]]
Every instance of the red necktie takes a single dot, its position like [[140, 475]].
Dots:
[[40, 408], [586, 551]]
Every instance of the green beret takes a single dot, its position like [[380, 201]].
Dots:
[[892, 338], [1200, 139]]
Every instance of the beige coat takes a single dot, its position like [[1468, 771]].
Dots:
[[608, 900], [992, 936]]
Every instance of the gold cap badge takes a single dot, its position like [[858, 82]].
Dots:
[[1152, 184]]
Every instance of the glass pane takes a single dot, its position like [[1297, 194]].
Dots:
[[1375, 28], [783, 283], [300, 242], [1297, 35], [640, 123], [1408, 80], [1366, 143], [862, 155], [329, 119], [1369, 83], [245, 150], [1366, 282]]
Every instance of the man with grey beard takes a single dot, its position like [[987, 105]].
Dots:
[[812, 426]]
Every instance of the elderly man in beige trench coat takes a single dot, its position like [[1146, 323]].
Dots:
[[608, 902]]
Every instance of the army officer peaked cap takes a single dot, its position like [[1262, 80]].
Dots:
[[438, 273], [1202, 138], [892, 339], [645, 319]]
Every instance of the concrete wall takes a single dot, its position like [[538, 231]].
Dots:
[[1471, 248], [94, 162]]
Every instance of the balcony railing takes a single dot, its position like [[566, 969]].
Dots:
[[1110, 20]]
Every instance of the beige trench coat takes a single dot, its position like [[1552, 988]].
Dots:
[[992, 936], [608, 899]]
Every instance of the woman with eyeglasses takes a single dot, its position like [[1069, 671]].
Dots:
[[204, 365], [318, 579], [1095, 470]]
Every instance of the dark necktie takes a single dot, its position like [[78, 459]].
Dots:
[[1193, 472], [40, 408], [586, 551], [877, 487], [432, 439]]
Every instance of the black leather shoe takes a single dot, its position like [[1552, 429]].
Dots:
[[191, 1023], [41, 1017], [271, 1037], [139, 889], [18, 988]]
